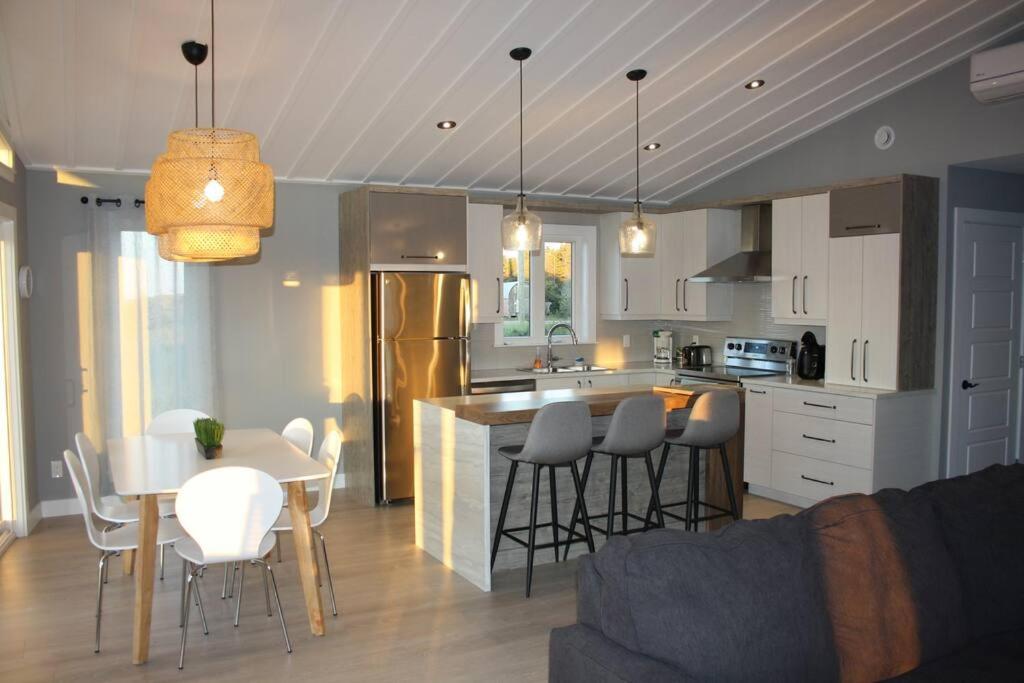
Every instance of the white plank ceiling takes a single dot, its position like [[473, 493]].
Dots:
[[350, 90]]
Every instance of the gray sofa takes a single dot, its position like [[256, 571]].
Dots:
[[919, 585]]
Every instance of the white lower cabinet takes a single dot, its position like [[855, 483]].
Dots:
[[574, 381], [802, 445]]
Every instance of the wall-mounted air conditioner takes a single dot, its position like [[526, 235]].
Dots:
[[998, 74]]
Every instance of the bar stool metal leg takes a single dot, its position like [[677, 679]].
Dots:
[[728, 482], [579, 497], [655, 500], [582, 505], [610, 526], [504, 510], [692, 488], [533, 527], [554, 510], [623, 464], [657, 484]]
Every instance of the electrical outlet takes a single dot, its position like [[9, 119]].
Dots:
[[56, 469], [695, 339], [625, 341]]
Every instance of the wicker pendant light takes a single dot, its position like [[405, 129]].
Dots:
[[637, 236], [208, 195], [521, 229]]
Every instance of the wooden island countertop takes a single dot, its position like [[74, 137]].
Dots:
[[520, 407]]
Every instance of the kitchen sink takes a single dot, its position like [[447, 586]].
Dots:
[[563, 369]]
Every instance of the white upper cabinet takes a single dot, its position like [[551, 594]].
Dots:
[[800, 259], [483, 252], [670, 252], [629, 287]]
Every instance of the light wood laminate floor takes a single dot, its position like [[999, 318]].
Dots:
[[402, 615]]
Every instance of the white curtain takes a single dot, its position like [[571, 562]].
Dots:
[[151, 337]]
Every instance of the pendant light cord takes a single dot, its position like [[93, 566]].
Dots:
[[521, 128], [213, 69], [637, 142], [195, 90]]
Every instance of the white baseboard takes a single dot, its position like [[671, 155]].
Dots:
[[339, 481], [35, 515], [781, 496]]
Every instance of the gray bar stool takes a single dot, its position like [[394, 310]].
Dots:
[[714, 419], [559, 435], [637, 427]]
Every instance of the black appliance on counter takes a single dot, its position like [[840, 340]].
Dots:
[[810, 363]]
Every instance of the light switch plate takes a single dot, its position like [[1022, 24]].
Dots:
[[625, 341], [695, 339], [56, 469]]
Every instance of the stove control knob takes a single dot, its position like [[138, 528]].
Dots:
[[730, 346], [739, 347], [775, 349]]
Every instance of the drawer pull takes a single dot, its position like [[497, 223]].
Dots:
[[818, 438], [818, 481], [818, 405], [755, 391]]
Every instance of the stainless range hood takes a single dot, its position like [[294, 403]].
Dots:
[[754, 262]]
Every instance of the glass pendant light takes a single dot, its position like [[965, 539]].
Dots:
[[521, 229], [208, 195], [637, 234]]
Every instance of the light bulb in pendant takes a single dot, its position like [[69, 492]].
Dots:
[[214, 191]]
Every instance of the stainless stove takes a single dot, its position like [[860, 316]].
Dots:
[[742, 357]]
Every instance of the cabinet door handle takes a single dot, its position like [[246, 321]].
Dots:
[[435, 257], [756, 391], [818, 405], [626, 307], [590, 383], [498, 309], [792, 295], [869, 226], [818, 438], [579, 383], [677, 295], [853, 347], [818, 481], [684, 294], [864, 361], [804, 295]]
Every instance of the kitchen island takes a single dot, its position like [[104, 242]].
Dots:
[[460, 477]]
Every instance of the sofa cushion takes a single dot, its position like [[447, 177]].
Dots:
[[991, 659], [982, 519], [892, 591], [743, 603], [580, 653]]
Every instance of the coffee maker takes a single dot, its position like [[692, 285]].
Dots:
[[662, 346]]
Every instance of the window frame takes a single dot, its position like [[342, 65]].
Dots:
[[584, 289], [8, 173]]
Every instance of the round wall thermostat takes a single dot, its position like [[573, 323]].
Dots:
[[884, 137], [25, 282]]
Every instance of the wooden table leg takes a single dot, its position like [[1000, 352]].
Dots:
[[149, 520], [302, 533], [714, 476], [128, 562]]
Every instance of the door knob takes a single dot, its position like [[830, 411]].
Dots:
[[965, 385]]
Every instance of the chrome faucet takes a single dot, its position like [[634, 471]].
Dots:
[[551, 332]]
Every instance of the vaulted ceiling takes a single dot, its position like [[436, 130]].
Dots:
[[351, 90]]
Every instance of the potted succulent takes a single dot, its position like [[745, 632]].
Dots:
[[209, 433]]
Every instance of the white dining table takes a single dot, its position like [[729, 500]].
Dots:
[[148, 466]]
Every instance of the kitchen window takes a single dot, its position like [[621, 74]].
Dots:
[[567, 293]]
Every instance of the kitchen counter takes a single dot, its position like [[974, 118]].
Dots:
[[460, 476], [503, 374], [794, 382]]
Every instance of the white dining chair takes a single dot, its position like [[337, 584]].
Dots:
[[299, 433], [227, 513], [110, 508], [328, 456], [178, 421], [110, 541]]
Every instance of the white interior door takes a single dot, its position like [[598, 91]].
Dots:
[[845, 291], [984, 407]]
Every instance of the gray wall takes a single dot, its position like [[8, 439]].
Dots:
[[976, 188], [14, 194], [270, 339], [938, 124]]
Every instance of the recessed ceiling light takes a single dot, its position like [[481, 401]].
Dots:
[[446, 125], [651, 146], [754, 84]]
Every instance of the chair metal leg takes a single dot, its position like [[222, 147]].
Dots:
[[238, 600], [184, 579], [231, 582], [624, 462], [610, 526], [582, 504], [657, 483], [100, 573], [184, 630], [728, 483], [224, 590], [504, 510], [533, 527], [576, 507], [266, 592], [280, 611], [554, 510], [163, 551], [655, 499], [199, 599], [279, 553], [327, 568]]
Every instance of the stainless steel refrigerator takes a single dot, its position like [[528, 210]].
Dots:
[[420, 325]]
